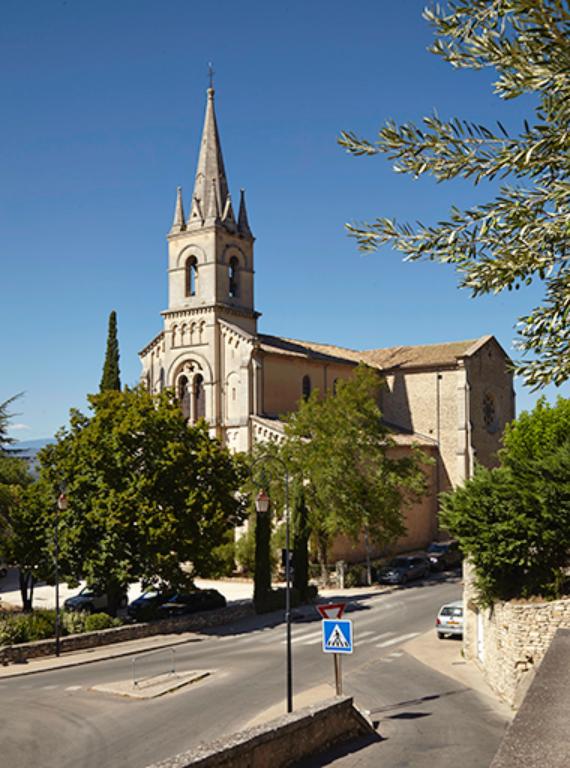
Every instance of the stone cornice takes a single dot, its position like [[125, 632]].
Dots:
[[152, 344]]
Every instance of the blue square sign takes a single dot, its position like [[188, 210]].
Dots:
[[337, 635]]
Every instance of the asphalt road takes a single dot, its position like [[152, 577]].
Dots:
[[53, 719]]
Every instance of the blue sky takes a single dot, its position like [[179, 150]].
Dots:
[[102, 110]]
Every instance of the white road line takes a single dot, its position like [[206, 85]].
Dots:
[[396, 640], [48, 687], [73, 688], [396, 654], [303, 638], [384, 634]]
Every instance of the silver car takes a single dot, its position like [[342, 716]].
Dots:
[[450, 619]]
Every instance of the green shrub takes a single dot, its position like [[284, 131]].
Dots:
[[275, 600], [96, 621], [12, 631], [40, 624], [73, 622]]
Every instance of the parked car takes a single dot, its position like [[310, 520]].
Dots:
[[145, 607], [444, 555], [449, 620], [403, 569], [91, 600], [191, 602]]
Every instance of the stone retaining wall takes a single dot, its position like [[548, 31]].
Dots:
[[19, 653], [509, 640], [280, 742]]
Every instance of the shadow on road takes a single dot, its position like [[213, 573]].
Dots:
[[342, 750], [414, 702]]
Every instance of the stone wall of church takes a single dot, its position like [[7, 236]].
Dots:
[[282, 385], [426, 402], [492, 401]]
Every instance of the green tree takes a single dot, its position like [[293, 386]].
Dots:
[[339, 450], [301, 533], [111, 378], [262, 572], [146, 492], [514, 521], [29, 534], [521, 235]]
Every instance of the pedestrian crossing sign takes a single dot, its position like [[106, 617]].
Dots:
[[337, 635]]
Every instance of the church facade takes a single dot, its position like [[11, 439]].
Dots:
[[453, 399]]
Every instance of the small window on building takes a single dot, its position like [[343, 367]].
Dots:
[[306, 387], [199, 398], [191, 276], [183, 396], [233, 277], [490, 413]]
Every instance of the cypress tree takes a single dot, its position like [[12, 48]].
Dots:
[[262, 573], [111, 378], [300, 544]]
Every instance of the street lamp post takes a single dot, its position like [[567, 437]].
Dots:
[[61, 506], [262, 505]]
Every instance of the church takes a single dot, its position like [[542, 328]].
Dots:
[[452, 399]]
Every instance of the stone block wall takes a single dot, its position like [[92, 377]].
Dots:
[[20, 653], [509, 640], [281, 742]]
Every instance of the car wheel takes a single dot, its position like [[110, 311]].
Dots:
[[440, 635], [124, 601]]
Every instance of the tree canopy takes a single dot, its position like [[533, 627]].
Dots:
[[111, 377], [339, 452], [521, 235], [514, 521], [146, 492]]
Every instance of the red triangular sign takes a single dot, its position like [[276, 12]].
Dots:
[[331, 610]]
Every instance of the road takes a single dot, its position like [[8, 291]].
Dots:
[[53, 719]]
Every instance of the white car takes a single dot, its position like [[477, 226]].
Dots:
[[450, 619]]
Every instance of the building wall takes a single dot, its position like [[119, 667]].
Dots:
[[489, 378], [426, 402], [282, 386]]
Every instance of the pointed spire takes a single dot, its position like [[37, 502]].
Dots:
[[210, 196], [179, 222], [243, 223]]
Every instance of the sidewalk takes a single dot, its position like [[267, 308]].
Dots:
[[88, 656]]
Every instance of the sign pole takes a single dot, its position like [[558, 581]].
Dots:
[[337, 682]]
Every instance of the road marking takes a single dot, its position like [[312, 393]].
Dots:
[[307, 636], [396, 654], [73, 688], [396, 640], [48, 687]]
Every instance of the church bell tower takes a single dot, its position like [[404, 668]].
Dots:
[[210, 251]]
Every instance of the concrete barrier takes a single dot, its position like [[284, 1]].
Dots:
[[280, 742], [20, 653]]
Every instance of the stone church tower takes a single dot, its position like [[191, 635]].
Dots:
[[204, 351]]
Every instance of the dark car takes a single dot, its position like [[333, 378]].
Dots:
[[91, 600], [191, 602], [444, 555], [145, 606], [403, 569]]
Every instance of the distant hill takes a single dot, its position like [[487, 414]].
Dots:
[[28, 449]]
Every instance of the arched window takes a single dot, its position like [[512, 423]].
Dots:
[[191, 276], [199, 398], [233, 277], [184, 396], [306, 387], [161, 380]]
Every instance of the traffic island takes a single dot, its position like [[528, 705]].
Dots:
[[153, 687], [283, 741]]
